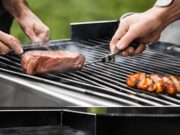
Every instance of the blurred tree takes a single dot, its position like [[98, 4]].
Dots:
[[57, 14]]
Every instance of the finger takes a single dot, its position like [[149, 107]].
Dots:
[[121, 31], [130, 51], [124, 53], [144, 40], [11, 42], [3, 48], [140, 49], [32, 36], [44, 35], [125, 41]]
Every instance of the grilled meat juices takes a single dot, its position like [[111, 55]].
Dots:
[[155, 83], [39, 62]]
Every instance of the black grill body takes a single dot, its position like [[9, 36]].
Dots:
[[76, 121], [95, 85], [46, 122], [128, 125]]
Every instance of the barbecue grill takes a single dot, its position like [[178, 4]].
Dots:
[[95, 85]]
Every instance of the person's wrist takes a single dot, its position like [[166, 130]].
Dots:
[[8, 4], [160, 14], [17, 8], [24, 14], [168, 14]]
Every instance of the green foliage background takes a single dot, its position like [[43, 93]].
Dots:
[[57, 14]]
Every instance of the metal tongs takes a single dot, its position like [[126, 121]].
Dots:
[[111, 57], [107, 58]]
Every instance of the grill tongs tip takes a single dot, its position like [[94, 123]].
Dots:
[[111, 57], [107, 58]]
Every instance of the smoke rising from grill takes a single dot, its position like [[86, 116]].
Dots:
[[71, 48], [47, 44], [90, 55]]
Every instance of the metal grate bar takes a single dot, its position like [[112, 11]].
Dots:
[[105, 80], [48, 76], [121, 83], [121, 98], [142, 100]]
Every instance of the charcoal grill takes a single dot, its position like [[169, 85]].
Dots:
[[95, 85]]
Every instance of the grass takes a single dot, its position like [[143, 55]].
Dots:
[[57, 14]]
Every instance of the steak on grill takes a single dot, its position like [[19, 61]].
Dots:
[[40, 62], [168, 84]]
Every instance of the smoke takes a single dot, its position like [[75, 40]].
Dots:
[[90, 55], [172, 33], [45, 45], [72, 48]]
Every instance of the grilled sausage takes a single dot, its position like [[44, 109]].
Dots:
[[155, 83]]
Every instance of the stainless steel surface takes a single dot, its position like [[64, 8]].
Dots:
[[102, 84], [95, 85], [17, 95], [20, 92]]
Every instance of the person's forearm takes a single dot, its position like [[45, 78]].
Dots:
[[16, 8], [168, 14]]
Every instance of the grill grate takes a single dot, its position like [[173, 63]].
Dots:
[[104, 80]]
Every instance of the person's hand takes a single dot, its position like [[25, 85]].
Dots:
[[36, 31], [7, 41], [143, 27]]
